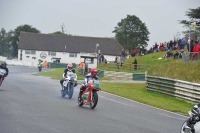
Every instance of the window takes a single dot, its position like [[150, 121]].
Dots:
[[30, 52], [72, 54], [52, 53]]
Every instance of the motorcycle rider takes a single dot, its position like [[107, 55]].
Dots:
[[191, 121], [91, 75], [68, 69], [4, 66]]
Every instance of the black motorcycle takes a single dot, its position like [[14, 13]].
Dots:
[[192, 125]]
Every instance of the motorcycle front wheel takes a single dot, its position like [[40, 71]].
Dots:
[[94, 100], [71, 91], [63, 93], [183, 129], [80, 103]]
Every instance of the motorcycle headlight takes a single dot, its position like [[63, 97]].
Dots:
[[190, 113]]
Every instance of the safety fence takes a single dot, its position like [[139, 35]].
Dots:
[[177, 88], [192, 56]]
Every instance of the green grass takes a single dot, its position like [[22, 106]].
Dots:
[[146, 62], [138, 93], [57, 74], [170, 68]]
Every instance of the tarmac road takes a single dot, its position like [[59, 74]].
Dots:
[[33, 104]]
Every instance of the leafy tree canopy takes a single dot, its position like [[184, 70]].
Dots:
[[14, 38], [131, 31], [193, 15]]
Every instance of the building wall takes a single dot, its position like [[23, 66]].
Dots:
[[64, 57], [109, 57]]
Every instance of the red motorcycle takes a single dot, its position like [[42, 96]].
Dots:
[[3, 75], [90, 96]]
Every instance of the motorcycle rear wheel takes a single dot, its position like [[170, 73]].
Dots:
[[94, 101]]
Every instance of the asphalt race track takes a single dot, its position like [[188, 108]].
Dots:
[[33, 104]]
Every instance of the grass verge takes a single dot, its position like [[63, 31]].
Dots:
[[139, 93], [57, 74]]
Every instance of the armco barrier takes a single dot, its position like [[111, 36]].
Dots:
[[139, 76], [180, 89]]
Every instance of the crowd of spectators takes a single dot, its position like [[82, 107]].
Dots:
[[178, 45]]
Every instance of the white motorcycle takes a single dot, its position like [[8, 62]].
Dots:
[[68, 85], [3, 75], [193, 121]]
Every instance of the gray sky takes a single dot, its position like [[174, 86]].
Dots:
[[96, 18]]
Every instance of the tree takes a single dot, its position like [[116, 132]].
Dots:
[[4, 42], [193, 14], [131, 31], [58, 33], [14, 36]]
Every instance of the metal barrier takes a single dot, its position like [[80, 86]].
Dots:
[[139, 76], [191, 56], [180, 89]]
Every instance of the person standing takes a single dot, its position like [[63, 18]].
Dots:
[[118, 61], [195, 51], [170, 45], [123, 56], [135, 63], [182, 44]]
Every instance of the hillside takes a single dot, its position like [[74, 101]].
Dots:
[[170, 68]]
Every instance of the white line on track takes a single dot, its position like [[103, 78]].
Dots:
[[139, 103]]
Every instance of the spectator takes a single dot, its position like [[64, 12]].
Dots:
[[102, 57], [81, 65], [156, 47], [135, 64], [46, 64], [123, 56], [182, 44], [117, 62], [195, 50], [178, 55], [105, 61], [168, 54], [165, 46], [170, 45], [99, 58]]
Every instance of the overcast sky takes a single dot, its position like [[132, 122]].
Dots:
[[96, 18]]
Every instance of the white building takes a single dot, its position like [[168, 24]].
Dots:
[[66, 49]]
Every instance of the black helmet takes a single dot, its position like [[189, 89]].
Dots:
[[3, 64]]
